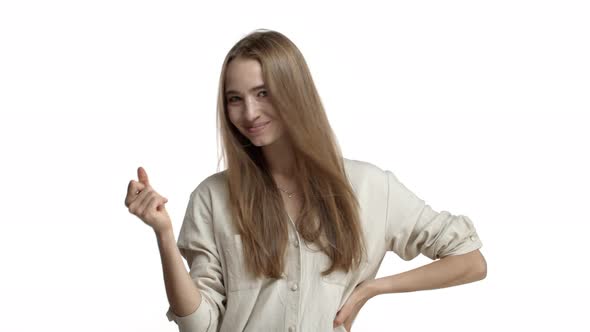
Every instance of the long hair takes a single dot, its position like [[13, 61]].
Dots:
[[330, 211]]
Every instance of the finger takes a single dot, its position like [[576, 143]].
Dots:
[[348, 322], [157, 204], [352, 316], [149, 205], [142, 208], [161, 203], [342, 315], [134, 206], [142, 176], [133, 189]]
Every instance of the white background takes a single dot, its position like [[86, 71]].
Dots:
[[480, 108]]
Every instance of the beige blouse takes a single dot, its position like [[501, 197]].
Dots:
[[393, 219]]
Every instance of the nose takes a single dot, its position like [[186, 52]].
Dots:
[[252, 110]]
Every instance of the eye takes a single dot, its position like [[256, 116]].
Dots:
[[265, 93], [230, 99]]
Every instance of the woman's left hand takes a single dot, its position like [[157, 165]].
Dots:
[[353, 305]]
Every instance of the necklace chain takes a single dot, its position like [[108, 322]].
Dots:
[[286, 192]]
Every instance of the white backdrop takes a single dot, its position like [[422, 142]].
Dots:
[[480, 108]]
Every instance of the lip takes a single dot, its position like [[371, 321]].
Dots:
[[257, 130]]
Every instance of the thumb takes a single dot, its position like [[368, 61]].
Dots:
[[161, 206], [142, 176], [341, 317]]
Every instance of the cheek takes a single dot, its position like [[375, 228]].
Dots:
[[233, 116], [278, 128]]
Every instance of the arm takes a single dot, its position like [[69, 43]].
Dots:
[[448, 271], [196, 307], [183, 295], [445, 272], [413, 228]]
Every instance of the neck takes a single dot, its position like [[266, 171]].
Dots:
[[280, 159]]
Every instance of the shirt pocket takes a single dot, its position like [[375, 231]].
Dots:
[[238, 277]]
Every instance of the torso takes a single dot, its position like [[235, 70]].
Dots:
[[292, 205]]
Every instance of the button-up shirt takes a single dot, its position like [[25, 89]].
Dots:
[[393, 219]]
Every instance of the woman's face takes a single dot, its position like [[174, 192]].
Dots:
[[248, 102]]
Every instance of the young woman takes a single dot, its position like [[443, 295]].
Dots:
[[291, 235]]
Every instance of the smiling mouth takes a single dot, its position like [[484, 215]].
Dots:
[[258, 128]]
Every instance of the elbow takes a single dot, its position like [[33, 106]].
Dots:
[[474, 266], [479, 266]]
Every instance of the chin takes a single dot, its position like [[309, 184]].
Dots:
[[262, 141]]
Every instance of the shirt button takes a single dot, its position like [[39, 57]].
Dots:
[[296, 244], [472, 237], [291, 328], [294, 286]]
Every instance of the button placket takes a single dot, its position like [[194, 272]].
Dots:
[[294, 277]]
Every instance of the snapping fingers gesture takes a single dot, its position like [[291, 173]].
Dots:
[[144, 202]]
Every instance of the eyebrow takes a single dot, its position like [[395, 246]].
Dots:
[[258, 87]]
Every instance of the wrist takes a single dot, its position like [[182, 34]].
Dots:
[[372, 289], [164, 233]]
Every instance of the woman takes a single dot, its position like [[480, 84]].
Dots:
[[291, 235]]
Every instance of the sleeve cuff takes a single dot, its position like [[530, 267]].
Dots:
[[471, 243], [199, 320]]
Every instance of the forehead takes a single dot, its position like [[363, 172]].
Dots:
[[243, 74]]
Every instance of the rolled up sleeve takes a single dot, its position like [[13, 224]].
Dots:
[[196, 243], [199, 320], [413, 227]]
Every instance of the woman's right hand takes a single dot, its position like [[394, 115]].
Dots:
[[144, 202]]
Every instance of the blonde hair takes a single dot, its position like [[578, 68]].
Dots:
[[330, 211]]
